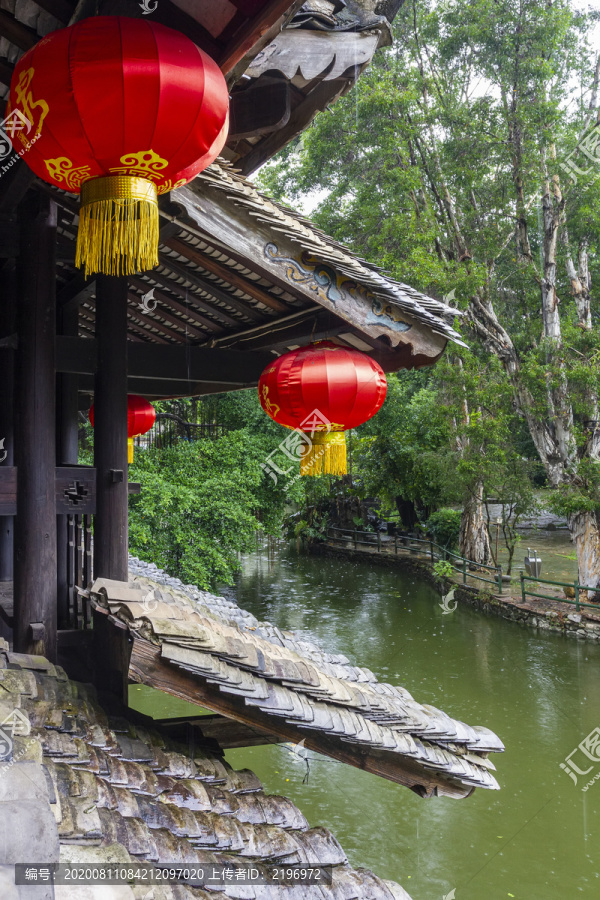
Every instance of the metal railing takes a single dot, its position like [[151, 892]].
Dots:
[[577, 588], [459, 563], [169, 429]]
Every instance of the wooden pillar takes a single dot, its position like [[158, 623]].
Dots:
[[110, 430], [35, 447], [7, 362], [66, 452]]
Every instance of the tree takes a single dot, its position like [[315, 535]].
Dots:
[[445, 166]]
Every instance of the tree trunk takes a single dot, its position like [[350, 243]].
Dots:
[[474, 537], [585, 531]]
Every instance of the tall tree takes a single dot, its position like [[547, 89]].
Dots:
[[447, 165]]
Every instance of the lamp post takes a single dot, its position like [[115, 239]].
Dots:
[[498, 524]]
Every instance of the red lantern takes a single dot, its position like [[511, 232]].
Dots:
[[323, 390], [120, 110], [140, 419]]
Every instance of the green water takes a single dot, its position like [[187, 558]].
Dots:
[[537, 838]]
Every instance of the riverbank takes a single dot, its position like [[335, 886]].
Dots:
[[543, 615]]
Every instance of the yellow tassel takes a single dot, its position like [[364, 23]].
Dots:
[[324, 454], [118, 226], [129, 450]]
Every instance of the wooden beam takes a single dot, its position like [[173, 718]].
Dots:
[[16, 32], [8, 496], [35, 444], [60, 9], [302, 114], [228, 274], [8, 309], [227, 733], [6, 70], [166, 363], [79, 288], [158, 389], [147, 667], [196, 364], [259, 109], [110, 430], [252, 34]]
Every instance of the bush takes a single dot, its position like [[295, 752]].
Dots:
[[444, 527]]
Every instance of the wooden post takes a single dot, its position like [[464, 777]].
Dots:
[[66, 455], [110, 430], [35, 447], [7, 363]]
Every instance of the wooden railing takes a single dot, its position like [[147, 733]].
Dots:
[[79, 570], [468, 568]]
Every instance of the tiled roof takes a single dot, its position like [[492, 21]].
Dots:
[[85, 787], [433, 313], [249, 670]]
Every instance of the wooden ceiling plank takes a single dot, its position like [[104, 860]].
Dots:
[[135, 313], [213, 327], [213, 289], [186, 327], [190, 295], [228, 274]]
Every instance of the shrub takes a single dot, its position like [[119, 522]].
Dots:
[[444, 527]]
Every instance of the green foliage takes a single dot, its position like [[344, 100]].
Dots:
[[444, 527], [443, 569], [466, 109], [201, 504]]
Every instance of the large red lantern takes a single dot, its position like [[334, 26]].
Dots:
[[323, 390], [140, 419], [119, 110]]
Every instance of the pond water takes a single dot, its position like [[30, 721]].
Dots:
[[536, 839]]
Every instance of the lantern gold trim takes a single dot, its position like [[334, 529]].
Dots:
[[324, 454], [118, 225]]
